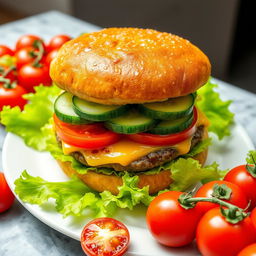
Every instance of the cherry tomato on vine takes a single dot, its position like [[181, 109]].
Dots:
[[250, 250], [57, 41], [169, 223], [30, 76], [11, 75], [105, 237], [50, 56], [6, 195], [253, 217], [215, 236], [27, 41], [242, 178], [237, 196], [5, 50], [12, 96], [25, 55]]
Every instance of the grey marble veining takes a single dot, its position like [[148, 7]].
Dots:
[[23, 234]]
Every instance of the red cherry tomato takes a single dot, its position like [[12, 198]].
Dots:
[[24, 56], [105, 237], [87, 136], [250, 250], [5, 50], [50, 56], [169, 223], [27, 41], [237, 198], [6, 195], [160, 140], [216, 237], [30, 76], [242, 178], [253, 217], [57, 41], [12, 96]]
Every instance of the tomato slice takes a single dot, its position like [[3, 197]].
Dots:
[[86, 136], [105, 237], [160, 140]]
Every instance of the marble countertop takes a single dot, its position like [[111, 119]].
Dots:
[[23, 234]]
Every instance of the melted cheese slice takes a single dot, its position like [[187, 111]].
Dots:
[[126, 151], [123, 152]]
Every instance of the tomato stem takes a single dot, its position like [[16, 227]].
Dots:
[[221, 191], [6, 81], [232, 213], [251, 168], [211, 200], [39, 45], [7, 84], [6, 72]]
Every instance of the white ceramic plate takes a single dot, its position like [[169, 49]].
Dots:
[[18, 157]]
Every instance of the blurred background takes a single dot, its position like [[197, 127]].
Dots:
[[223, 29]]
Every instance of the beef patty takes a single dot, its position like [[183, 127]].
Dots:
[[150, 160]]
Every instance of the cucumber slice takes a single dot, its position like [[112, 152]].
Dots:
[[97, 112], [132, 122], [63, 109], [173, 126], [170, 109]]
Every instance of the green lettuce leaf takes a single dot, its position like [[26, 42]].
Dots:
[[199, 147], [129, 194], [7, 60], [29, 123], [74, 198], [71, 197], [188, 172], [251, 157], [216, 110]]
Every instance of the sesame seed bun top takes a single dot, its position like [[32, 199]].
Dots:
[[129, 65]]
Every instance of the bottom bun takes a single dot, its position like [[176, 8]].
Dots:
[[101, 182]]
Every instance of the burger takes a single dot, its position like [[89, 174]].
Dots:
[[128, 105]]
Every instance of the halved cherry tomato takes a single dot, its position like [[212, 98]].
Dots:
[[250, 250], [105, 237], [50, 56], [237, 197], [171, 224], [5, 50], [12, 96], [242, 178], [27, 41], [57, 41], [215, 236], [6, 195], [161, 140], [25, 55], [30, 76], [87, 136]]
